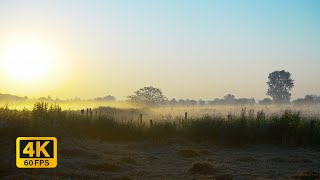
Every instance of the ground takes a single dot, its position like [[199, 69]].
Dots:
[[96, 159]]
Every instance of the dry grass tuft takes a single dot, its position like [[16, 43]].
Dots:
[[306, 175], [203, 167], [205, 152], [188, 153]]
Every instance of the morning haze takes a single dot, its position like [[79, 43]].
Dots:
[[161, 89]]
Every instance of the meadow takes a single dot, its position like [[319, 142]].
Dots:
[[223, 142]]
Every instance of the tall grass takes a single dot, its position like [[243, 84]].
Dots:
[[288, 127]]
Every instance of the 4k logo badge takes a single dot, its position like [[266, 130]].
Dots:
[[36, 152]]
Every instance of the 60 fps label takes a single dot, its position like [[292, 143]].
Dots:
[[36, 152]]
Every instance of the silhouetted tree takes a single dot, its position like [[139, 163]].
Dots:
[[265, 101], [148, 96], [105, 98], [45, 98], [181, 102], [166, 102], [229, 99], [187, 102], [250, 101], [280, 85], [308, 99], [9, 97], [173, 102], [201, 102], [193, 102], [217, 101]]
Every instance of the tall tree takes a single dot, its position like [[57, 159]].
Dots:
[[280, 85], [148, 96], [229, 99]]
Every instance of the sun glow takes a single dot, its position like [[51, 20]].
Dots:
[[33, 66], [27, 62]]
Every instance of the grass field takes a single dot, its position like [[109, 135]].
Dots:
[[211, 142]]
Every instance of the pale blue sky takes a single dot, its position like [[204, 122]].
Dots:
[[190, 49]]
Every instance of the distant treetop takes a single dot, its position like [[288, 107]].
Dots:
[[105, 98], [280, 84], [148, 96]]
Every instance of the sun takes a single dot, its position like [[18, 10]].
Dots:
[[26, 62]]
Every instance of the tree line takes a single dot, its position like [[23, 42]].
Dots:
[[279, 89], [279, 84]]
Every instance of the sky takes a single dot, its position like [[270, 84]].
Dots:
[[189, 49]]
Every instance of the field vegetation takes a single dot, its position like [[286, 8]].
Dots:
[[148, 136], [116, 144], [248, 127]]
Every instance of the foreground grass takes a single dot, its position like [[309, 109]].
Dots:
[[90, 158], [288, 127]]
